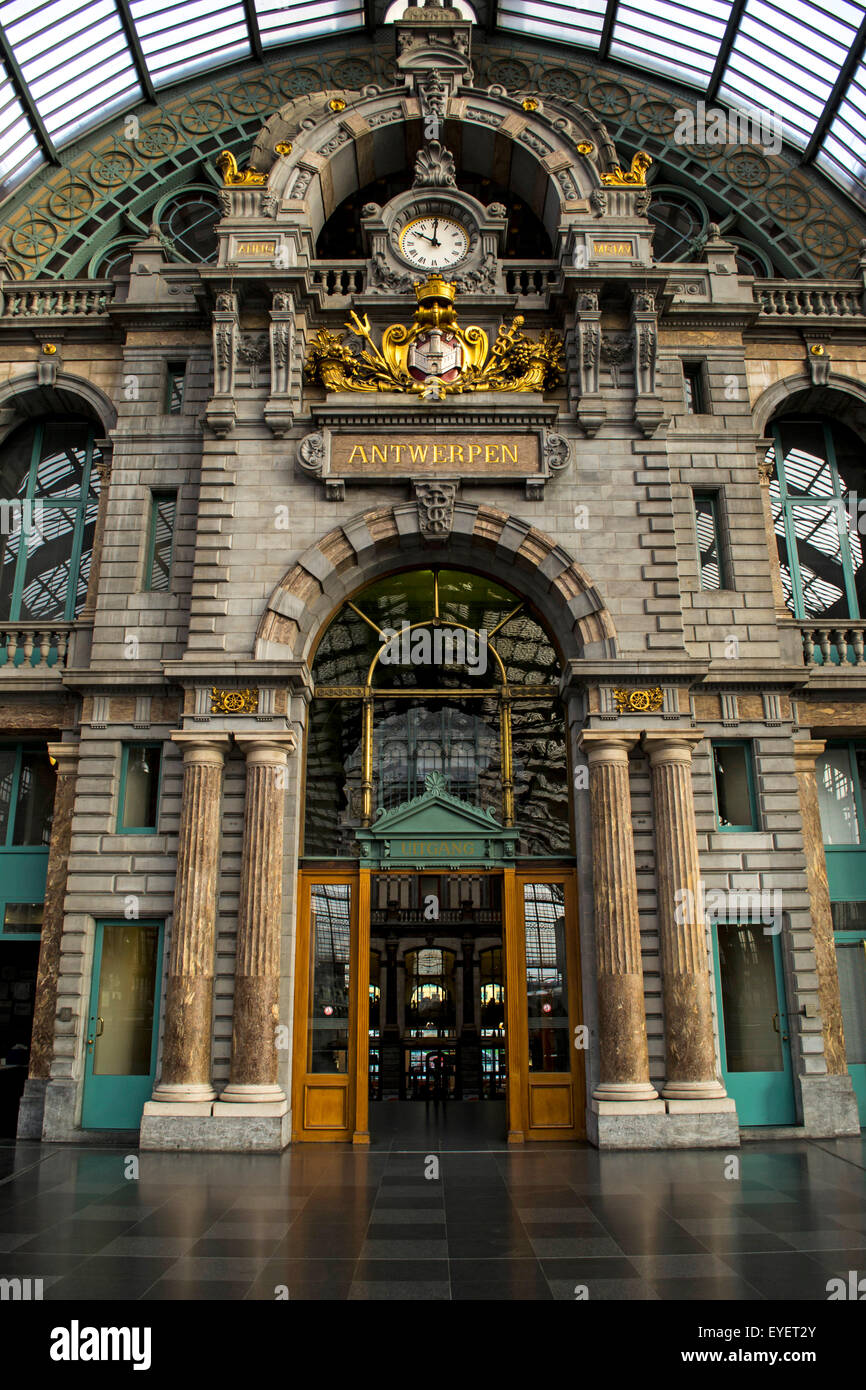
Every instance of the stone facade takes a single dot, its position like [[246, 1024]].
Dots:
[[270, 537]]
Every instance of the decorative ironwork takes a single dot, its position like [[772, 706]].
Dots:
[[634, 178], [234, 701], [433, 356], [639, 701]]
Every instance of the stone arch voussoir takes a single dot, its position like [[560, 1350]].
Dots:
[[369, 544]]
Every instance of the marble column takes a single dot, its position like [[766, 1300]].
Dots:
[[806, 751], [689, 1040], [186, 1054], [624, 1058], [65, 758], [253, 1075]]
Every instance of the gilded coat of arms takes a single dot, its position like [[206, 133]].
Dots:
[[434, 356]]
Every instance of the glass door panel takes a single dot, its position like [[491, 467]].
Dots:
[[851, 958], [121, 1041], [756, 1059], [549, 1069]]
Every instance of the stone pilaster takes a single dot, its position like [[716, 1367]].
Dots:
[[806, 751], [257, 970], [689, 1042], [766, 468], [65, 757], [624, 1059], [186, 1056]]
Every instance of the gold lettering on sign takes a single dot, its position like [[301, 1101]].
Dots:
[[613, 248], [256, 248], [510, 454]]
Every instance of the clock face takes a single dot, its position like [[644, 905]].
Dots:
[[434, 242]]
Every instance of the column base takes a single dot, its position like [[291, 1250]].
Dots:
[[632, 1091], [709, 1124], [694, 1090], [218, 1128], [249, 1093], [829, 1106], [169, 1093], [31, 1109]]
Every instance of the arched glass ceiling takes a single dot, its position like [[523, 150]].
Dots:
[[67, 65]]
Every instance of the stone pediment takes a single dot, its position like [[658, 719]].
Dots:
[[436, 829]]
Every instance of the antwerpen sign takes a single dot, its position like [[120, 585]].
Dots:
[[436, 829], [419, 453]]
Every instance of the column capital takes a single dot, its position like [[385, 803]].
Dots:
[[607, 746], [272, 750], [64, 756], [667, 746], [807, 751], [209, 749]]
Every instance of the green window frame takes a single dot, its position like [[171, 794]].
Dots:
[[175, 387], [23, 867], [52, 508], [794, 528], [745, 744], [708, 533], [160, 542], [155, 750]]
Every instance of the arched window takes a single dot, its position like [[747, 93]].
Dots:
[[815, 494], [49, 486], [436, 673]]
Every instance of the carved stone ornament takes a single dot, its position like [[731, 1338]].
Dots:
[[313, 454], [434, 356], [234, 701], [383, 277], [252, 350], [598, 202], [556, 452], [435, 502], [639, 701], [497, 209], [434, 167]]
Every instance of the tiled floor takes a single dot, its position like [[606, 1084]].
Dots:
[[328, 1222]]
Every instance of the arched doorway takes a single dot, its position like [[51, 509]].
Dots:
[[437, 955]]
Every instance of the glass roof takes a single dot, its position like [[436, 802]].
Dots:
[[68, 65]]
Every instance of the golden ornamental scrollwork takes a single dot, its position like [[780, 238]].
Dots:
[[635, 177], [232, 175], [234, 701], [639, 701], [434, 356]]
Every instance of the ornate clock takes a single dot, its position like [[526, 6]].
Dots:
[[432, 241]]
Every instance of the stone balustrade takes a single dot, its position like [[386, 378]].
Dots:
[[337, 280], [529, 278], [833, 645], [832, 299], [25, 647], [36, 299]]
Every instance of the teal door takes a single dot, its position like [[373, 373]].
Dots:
[[851, 958], [122, 1033], [755, 1051]]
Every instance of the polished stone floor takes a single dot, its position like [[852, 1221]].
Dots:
[[435, 1211]]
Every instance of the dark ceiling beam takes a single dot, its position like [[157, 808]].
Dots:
[[370, 16], [607, 28], [22, 91], [136, 52], [492, 16], [255, 33], [837, 96], [731, 30]]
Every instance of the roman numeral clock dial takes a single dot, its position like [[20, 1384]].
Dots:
[[434, 243]]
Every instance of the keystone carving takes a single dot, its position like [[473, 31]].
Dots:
[[435, 501]]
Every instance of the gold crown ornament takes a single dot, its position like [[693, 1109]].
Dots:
[[434, 287]]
